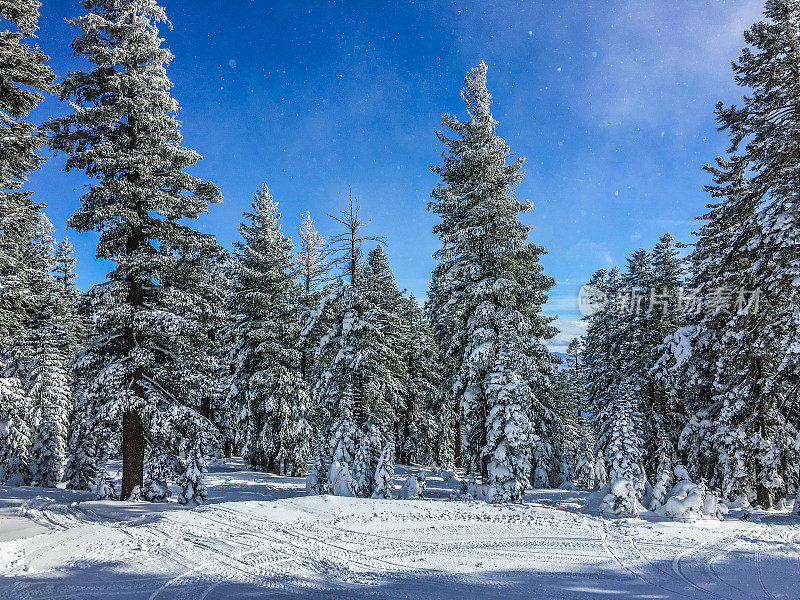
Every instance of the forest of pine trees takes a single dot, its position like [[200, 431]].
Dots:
[[311, 360]]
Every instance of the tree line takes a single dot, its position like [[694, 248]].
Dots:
[[312, 359]]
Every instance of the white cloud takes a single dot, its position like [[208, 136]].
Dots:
[[568, 330], [656, 52]]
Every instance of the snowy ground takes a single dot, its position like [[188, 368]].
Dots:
[[261, 537]]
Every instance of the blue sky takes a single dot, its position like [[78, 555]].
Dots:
[[610, 102]]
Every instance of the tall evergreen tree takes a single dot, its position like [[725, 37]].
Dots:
[[490, 289], [425, 417], [24, 77], [759, 367], [50, 395], [377, 283], [67, 298], [15, 435], [314, 270], [268, 383], [739, 349], [313, 266], [124, 134]]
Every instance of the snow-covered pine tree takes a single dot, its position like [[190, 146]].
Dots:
[[49, 392], [600, 351], [344, 438], [353, 357], [583, 471], [489, 289], [64, 268], [566, 407], [41, 300], [384, 473], [317, 476], [426, 421], [25, 77], [313, 270], [202, 379], [442, 326], [268, 383], [313, 266], [663, 413], [619, 438], [735, 357], [193, 490], [15, 436], [376, 281], [758, 365], [66, 298], [614, 379], [365, 462], [583, 445], [125, 135]]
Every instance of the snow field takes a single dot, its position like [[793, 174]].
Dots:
[[261, 537]]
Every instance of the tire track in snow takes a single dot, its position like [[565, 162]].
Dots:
[[667, 574], [628, 567], [708, 548], [263, 575]]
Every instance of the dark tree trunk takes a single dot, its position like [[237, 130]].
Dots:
[[457, 445], [303, 362], [228, 449], [132, 453], [132, 434], [763, 497], [359, 408], [205, 402], [408, 416], [405, 450]]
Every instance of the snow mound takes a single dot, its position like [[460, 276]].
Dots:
[[413, 488], [688, 501], [620, 499], [340, 481]]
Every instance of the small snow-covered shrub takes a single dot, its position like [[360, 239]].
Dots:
[[136, 495], [412, 489], [739, 502], [620, 499], [384, 473], [155, 491], [104, 488], [470, 489], [160, 469], [687, 502], [315, 482], [193, 489], [448, 475], [340, 481], [796, 509]]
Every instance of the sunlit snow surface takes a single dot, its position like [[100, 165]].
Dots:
[[261, 537]]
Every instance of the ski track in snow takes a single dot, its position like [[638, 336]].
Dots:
[[286, 546]]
